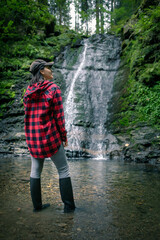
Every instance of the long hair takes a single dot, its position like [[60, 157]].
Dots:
[[36, 78]]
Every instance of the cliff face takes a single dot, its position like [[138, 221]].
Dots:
[[89, 73], [139, 142], [135, 105]]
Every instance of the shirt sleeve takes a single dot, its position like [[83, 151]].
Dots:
[[59, 114], [24, 103]]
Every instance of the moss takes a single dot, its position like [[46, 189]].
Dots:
[[72, 56]]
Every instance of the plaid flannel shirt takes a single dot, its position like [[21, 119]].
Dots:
[[44, 119]]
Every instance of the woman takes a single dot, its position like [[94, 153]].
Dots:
[[45, 133]]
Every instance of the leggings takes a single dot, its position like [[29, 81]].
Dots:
[[60, 161]]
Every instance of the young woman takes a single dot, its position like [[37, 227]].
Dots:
[[45, 133]]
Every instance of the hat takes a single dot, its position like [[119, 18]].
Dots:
[[39, 64]]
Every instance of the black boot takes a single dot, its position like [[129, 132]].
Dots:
[[35, 187], [67, 194]]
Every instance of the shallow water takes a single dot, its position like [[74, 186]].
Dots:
[[115, 200]]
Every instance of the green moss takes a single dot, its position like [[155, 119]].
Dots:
[[141, 105]]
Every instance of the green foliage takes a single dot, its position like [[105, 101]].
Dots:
[[143, 52], [150, 73], [18, 18], [67, 37], [122, 13], [141, 103], [119, 16], [7, 95]]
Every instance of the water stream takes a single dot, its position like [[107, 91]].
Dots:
[[70, 107], [114, 199]]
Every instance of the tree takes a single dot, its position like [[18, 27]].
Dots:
[[44, 2], [85, 13], [60, 9], [97, 9], [19, 18], [77, 15]]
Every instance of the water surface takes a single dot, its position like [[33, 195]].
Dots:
[[115, 200]]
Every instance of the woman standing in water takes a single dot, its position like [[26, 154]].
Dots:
[[45, 133]]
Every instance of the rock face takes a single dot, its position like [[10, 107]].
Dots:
[[89, 73], [12, 137], [140, 144]]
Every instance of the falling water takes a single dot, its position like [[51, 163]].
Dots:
[[89, 89], [70, 106], [70, 98]]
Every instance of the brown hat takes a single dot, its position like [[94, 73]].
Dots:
[[39, 64]]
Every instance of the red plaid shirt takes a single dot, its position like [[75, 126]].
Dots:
[[44, 119]]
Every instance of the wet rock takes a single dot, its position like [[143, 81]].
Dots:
[[77, 154], [144, 145], [114, 154], [77, 44], [62, 225]]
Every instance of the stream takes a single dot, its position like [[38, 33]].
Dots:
[[114, 199]]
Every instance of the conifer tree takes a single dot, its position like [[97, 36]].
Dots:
[[85, 13], [60, 9]]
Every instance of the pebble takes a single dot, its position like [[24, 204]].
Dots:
[[63, 225]]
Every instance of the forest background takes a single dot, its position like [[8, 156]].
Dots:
[[33, 29]]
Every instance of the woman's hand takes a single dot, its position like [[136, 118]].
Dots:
[[65, 144]]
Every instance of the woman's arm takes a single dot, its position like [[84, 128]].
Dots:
[[59, 115]]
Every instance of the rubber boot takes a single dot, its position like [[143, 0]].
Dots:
[[35, 187], [67, 194]]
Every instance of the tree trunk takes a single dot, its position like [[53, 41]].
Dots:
[[112, 5], [102, 21], [87, 27], [60, 16], [97, 16]]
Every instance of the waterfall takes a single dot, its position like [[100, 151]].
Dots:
[[71, 93], [70, 107], [89, 85]]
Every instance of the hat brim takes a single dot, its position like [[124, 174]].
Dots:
[[49, 64]]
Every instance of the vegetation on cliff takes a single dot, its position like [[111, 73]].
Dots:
[[141, 53]]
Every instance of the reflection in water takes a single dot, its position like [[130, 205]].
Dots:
[[115, 200]]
